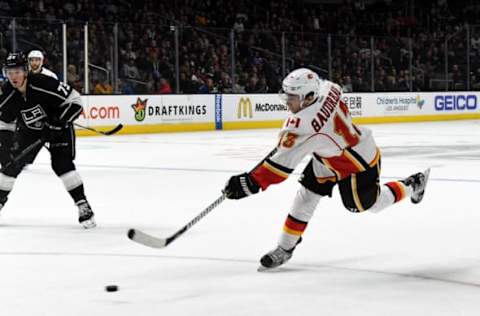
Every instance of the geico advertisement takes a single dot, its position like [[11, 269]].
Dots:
[[253, 107], [456, 102]]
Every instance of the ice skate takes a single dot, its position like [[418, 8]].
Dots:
[[276, 258], [86, 218], [418, 182]]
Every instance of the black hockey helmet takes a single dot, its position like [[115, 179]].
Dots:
[[15, 60]]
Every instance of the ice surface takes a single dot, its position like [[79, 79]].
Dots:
[[407, 260]]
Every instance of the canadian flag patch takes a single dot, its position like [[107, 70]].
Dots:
[[295, 121]]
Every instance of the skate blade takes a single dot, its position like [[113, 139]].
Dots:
[[265, 269], [89, 223], [426, 173]]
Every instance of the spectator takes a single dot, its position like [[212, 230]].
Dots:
[[475, 80], [457, 78], [360, 85], [72, 75], [207, 85], [347, 84], [187, 85], [130, 70], [238, 25], [475, 42], [103, 87], [125, 87], [164, 87], [261, 86], [251, 86]]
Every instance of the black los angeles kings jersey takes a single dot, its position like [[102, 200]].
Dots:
[[46, 100]]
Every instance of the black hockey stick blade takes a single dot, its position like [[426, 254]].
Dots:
[[115, 130]]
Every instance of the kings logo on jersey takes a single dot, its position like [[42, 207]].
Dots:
[[33, 117]]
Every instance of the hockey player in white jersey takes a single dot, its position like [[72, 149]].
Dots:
[[35, 64], [342, 153]]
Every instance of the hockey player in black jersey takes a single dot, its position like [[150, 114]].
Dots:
[[42, 108]]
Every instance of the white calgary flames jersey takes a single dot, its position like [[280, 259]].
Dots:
[[325, 131]]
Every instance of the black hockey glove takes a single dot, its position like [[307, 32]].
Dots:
[[240, 186], [52, 133]]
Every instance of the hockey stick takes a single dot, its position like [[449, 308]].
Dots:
[[22, 154], [154, 242], [157, 242], [107, 133]]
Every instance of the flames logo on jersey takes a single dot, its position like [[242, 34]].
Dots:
[[140, 109]]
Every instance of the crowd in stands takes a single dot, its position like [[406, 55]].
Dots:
[[364, 45]]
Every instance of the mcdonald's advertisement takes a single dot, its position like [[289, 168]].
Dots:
[[253, 108]]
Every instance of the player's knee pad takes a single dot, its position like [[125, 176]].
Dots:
[[62, 166], [351, 206], [304, 204], [359, 192], [355, 205]]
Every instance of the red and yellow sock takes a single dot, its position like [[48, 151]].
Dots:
[[398, 189]]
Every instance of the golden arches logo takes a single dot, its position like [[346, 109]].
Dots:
[[244, 108]]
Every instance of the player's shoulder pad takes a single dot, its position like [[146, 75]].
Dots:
[[49, 85], [41, 80]]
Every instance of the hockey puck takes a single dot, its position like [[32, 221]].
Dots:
[[111, 288]]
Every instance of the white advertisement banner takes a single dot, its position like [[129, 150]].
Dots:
[[147, 109], [266, 110], [387, 104], [253, 107], [101, 110]]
